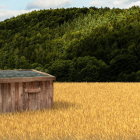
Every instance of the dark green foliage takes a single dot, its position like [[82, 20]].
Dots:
[[75, 44], [63, 69], [123, 63], [88, 68]]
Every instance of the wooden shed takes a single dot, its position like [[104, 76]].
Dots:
[[25, 90]]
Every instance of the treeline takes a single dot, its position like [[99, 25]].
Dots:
[[75, 44]]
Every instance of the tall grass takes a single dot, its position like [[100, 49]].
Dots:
[[81, 111]]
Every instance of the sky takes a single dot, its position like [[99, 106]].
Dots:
[[11, 8]]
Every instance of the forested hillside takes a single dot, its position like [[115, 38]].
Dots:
[[75, 44]]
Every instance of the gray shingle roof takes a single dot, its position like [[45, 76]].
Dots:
[[20, 73]]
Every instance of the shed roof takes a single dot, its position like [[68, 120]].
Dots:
[[22, 75]]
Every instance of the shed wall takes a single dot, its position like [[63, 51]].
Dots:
[[26, 96]]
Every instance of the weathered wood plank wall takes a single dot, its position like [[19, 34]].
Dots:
[[26, 96]]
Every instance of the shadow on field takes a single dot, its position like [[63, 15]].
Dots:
[[59, 105]]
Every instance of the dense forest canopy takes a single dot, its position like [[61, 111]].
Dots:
[[74, 44]]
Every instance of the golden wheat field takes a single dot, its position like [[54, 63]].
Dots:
[[81, 111]]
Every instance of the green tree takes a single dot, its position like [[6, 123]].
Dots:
[[62, 69]]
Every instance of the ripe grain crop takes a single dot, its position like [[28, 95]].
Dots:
[[81, 111]]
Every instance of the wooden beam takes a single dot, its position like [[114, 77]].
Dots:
[[54, 78], [25, 79], [37, 90]]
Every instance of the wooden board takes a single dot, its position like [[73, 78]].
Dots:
[[25, 97], [20, 99], [13, 96], [0, 98], [6, 98], [43, 98], [49, 93], [17, 97]]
